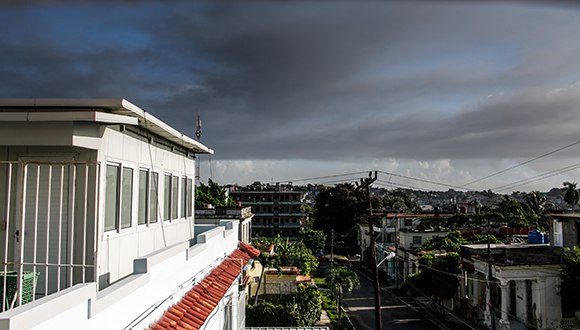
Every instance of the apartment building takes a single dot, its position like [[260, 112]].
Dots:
[[278, 208]]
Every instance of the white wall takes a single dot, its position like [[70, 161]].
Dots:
[[137, 300], [406, 238], [118, 249]]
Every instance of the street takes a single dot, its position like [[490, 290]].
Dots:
[[359, 305]]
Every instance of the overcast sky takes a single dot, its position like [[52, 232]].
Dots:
[[443, 91]]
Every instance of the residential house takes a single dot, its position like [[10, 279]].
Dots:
[[564, 230], [524, 290], [97, 221]]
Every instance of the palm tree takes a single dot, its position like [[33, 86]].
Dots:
[[571, 194], [341, 279], [536, 200]]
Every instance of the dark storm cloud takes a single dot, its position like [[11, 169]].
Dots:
[[322, 80]]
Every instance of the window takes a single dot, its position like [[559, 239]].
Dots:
[[126, 197], [171, 197], [174, 197], [119, 197], [154, 198], [143, 196], [408, 223], [189, 197], [416, 240], [184, 197], [112, 197], [167, 197]]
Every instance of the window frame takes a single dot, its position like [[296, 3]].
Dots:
[[149, 200], [119, 198], [174, 205]]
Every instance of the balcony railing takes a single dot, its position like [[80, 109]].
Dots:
[[48, 231]]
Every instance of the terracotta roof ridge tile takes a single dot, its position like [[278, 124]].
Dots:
[[197, 304]]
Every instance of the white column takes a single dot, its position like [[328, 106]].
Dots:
[[504, 322], [475, 293], [541, 302], [487, 312]]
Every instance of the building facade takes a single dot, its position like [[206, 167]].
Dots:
[[278, 209], [97, 218]]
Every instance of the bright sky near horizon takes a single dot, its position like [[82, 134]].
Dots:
[[445, 91]]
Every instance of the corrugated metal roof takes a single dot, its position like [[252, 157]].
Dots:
[[116, 106]]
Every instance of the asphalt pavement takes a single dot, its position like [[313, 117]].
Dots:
[[360, 307]]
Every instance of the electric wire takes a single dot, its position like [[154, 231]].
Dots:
[[522, 163], [538, 177], [324, 177], [423, 180]]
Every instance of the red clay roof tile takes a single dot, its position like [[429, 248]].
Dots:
[[197, 304]]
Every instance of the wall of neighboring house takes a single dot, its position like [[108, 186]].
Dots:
[[412, 239], [120, 246]]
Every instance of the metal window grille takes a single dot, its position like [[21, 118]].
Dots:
[[48, 231]]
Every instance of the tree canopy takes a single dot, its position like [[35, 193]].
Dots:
[[212, 194], [571, 194], [338, 207], [570, 274], [453, 241], [294, 310]]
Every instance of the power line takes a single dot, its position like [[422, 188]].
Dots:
[[538, 177], [384, 183], [423, 180], [324, 177], [522, 163]]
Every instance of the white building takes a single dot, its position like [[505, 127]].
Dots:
[[96, 199], [526, 281]]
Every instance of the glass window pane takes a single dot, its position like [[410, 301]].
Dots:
[[189, 197], [111, 197], [126, 197], [153, 199], [184, 197], [143, 191], [174, 197], [167, 197]]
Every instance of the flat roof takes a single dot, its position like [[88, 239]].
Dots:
[[564, 215], [114, 106]]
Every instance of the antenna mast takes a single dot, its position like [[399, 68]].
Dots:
[[198, 138]]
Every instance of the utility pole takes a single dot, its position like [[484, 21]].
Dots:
[[365, 184], [490, 276], [332, 249], [396, 251]]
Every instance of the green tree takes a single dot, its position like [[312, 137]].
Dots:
[[400, 201], [571, 194], [437, 275], [338, 208], [268, 314], [313, 239], [295, 310], [341, 280], [453, 241], [212, 194], [305, 305], [536, 201]]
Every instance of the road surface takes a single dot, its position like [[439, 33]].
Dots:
[[396, 315]]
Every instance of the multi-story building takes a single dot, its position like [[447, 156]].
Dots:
[[278, 209], [97, 225]]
